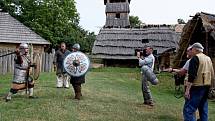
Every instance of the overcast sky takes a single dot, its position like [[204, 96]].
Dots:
[[92, 12]]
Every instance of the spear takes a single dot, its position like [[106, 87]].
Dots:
[[8, 54]]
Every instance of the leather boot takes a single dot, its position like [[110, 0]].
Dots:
[[77, 92]]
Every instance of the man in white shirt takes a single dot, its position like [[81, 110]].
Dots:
[[147, 67]]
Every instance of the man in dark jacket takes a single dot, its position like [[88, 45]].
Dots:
[[62, 76], [77, 81]]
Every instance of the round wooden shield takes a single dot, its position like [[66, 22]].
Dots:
[[76, 64], [36, 68]]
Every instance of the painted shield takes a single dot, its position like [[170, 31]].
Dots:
[[76, 64]]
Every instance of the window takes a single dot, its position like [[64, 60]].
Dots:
[[145, 41], [155, 52], [117, 15], [117, 1]]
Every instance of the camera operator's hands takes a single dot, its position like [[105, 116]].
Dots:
[[138, 55]]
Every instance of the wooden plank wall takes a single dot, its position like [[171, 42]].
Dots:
[[7, 62], [47, 62]]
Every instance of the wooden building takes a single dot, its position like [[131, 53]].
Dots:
[[117, 41], [117, 13], [201, 28], [12, 33]]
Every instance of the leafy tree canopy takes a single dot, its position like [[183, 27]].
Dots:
[[55, 20], [135, 21], [181, 21]]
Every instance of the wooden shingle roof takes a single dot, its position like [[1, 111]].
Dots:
[[13, 31]]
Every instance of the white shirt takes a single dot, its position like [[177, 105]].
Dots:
[[186, 65], [149, 61]]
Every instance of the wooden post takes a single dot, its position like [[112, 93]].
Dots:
[[1, 63], [4, 63], [46, 62], [53, 54], [206, 43], [9, 63], [12, 62], [43, 62], [49, 62]]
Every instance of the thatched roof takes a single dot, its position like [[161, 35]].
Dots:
[[120, 43], [12, 31], [201, 28], [115, 7]]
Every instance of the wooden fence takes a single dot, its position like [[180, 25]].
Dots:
[[7, 62]]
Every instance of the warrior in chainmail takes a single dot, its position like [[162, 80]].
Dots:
[[62, 76], [21, 79], [77, 81]]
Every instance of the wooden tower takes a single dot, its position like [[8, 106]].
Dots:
[[117, 13]]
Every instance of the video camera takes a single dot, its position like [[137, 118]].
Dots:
[[179, 80], [179, 83], [142, 52]]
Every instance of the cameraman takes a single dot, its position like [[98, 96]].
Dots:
[[147, 66]]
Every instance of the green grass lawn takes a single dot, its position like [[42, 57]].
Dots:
[[109, 94]]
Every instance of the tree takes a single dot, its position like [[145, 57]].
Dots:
[[181, 21], [54, 20], [135, 21]]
